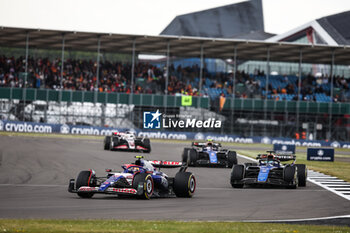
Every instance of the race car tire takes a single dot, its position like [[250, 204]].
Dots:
[[147, 145], [84, 179], [290, 176], [115, 140], [193, 157], [107, 143], [184, 184], [231, 158], [237, 174], [302, 174], [148, 185], [185, 155], [289, 173]]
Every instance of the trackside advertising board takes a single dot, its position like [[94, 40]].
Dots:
[[283, 149], [33, 127], [320, 154]]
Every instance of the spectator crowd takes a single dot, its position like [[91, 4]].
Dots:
[[151, 79]]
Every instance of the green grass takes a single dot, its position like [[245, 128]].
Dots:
[[9, 225], [336, 168]]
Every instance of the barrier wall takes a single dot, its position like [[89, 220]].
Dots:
[[171, 101], [30, 127]]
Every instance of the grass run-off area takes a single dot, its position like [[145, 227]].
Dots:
[[9, 225]]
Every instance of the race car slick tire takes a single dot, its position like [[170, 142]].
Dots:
[[184, 154], [147, 145], [193, 157], [115, 141], [302, 174], [148, 185], [184, 184], [84, 179], [237, 175], [231, 158], [107, 143], [289, 175]]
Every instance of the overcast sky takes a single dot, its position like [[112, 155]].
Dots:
[[150, 16]]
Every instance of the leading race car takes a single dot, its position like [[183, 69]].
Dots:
[[139, 179], [209, 154], [127, 141], [270, 171]]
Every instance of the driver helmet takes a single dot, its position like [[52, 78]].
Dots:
[[210, 142], [270, 159]]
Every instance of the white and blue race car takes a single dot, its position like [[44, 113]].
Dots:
[[209, 154], [270, 171], [139, 179]]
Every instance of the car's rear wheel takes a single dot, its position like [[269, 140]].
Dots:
[[185, 154], [302, 174], [237, 175], [107, 143], [193, 157], [290, 176], [84, 179], [184, 184], [147, 182], [115, 140], [231, 158], [147, 145]]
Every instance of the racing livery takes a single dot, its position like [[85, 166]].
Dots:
[[139, 179], [127, 141], [209, 154], [270, 171]]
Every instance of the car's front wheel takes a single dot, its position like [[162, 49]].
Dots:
[[146, 180], [84, 179], [184, 184]]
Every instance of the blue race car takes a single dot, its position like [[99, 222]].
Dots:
[[139, 179], [270, 171], [209, 154]]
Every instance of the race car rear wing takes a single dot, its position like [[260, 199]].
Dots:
[[202, 144], [276, 157], [165, 164]]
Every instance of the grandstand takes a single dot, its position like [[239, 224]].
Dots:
[[43, 89]]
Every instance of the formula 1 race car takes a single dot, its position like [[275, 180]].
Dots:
[[127, 141], [139, 179], [209, 154], [270, 171]]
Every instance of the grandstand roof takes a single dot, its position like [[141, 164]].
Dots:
[[180, 46], [337, 26], [220, 22], [331, 30]]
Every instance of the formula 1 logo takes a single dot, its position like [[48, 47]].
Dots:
[[1, 125], [151, 120], [64, 129]]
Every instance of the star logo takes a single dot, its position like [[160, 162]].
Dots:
[[151, 120], [156, 115]]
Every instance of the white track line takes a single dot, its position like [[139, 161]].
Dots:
[[300, 220], [320, 179]]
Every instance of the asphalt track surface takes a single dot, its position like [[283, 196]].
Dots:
[[34, 174]]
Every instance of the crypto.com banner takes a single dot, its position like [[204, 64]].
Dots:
[[32, 127]]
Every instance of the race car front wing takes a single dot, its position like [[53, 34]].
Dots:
[[110, 190]]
